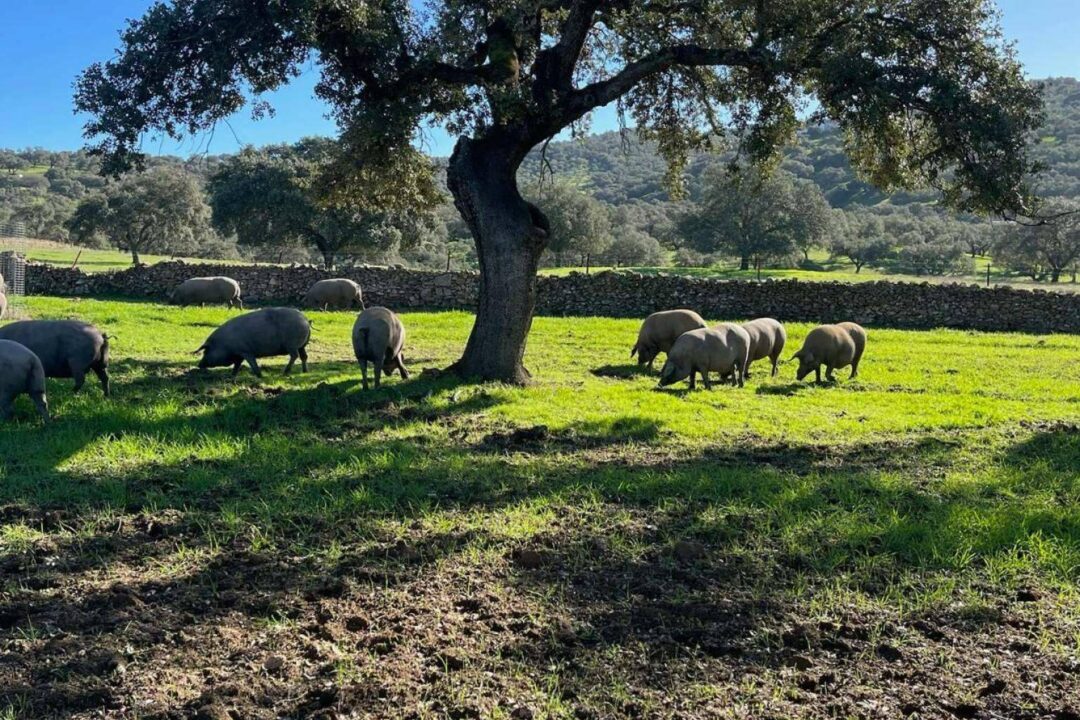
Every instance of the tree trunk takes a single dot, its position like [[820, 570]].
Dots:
[[134, 255], [1055, 275], [328, 259], [744, 262], [510, 236]]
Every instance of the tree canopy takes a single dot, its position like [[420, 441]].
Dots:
[[1045, 250], [161, 210], [753, 215], [273, 197]]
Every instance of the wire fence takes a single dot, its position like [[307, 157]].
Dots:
[[13, 247]]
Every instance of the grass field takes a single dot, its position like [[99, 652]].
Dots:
[[89, 260], [906, 544]]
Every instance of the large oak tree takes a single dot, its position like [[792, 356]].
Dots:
[[925, 91]]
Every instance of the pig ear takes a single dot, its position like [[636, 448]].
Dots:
[[201, 348], [634, 351]]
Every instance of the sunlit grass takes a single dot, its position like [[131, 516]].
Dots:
[[950, 461]]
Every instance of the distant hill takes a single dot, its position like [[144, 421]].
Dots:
[[619, 171]]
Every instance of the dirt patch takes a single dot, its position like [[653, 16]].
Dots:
[[456, 623]]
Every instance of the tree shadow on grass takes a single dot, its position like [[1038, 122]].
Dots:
[[1055, 446], [674, 572], [439, 549], [789, 389], [623, 372]]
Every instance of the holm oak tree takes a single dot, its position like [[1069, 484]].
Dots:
[[926, 92]]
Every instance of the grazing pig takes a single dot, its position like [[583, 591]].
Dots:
[[208, 291], [378, 337], [767, 340], [724, 349], [264, 333], [21, 374], [66, 348], [660, 331], [339, 293], [834, 346]]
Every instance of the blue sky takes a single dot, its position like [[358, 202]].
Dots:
[[45, 43]]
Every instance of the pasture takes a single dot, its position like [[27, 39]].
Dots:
[[92, 260], [587, 547]]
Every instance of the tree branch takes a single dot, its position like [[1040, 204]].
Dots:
[[555, 66], [598, 94]]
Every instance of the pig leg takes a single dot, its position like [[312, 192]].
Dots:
[[292, 361], [363, 372], [42, 405], [830, 373], [236, 366], [693, 379], [6, 410], [103, 376], [775, 365], [400, 360], [80, 379], [705, 377], [254, 365], [855, 366], [817, 374], [378, 375], [302, 352]]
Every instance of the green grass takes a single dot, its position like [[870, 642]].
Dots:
[[949, 403], [940, 481], [91, 260]]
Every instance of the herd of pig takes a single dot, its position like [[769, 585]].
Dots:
[[694, 348], [33, 350]]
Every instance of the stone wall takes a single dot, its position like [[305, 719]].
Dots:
[[261, 284], [886, 304], [883, 304]]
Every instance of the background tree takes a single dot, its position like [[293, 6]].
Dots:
[[162, 210], [1046, 250], [862, 241], [580, 225], [12, 163], [926, 93], [932, 250], [274, 197], [975, 236], [753, 215], [634, 248]]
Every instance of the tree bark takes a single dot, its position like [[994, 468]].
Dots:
[[510, 236], [744, 262]]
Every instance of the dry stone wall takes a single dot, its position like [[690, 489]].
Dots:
[[261, 284], [883, 304]]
